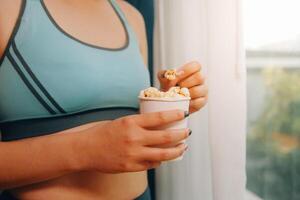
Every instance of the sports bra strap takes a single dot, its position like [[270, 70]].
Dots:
[[119, 11], [129, 30]]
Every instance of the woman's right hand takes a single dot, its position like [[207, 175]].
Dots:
[[128, 144]]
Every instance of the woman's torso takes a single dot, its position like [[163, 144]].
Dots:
[[115, 41], [87, 185]]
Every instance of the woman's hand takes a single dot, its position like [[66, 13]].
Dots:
[[128, 144], [191, 78]]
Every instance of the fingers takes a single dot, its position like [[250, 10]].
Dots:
[[141, 165], [155, 119], [198, 91], [197, 104], [189, 69], [161, 74], [193, 80], [163, 154], [165, 137], [150, 165], [183, 72]]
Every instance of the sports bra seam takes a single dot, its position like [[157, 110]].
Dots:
[[35, 80], [83, 111], [14, 32], [28, 85]]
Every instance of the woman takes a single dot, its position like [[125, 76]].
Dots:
[[68, 101]]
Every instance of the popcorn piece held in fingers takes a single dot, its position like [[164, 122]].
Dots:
[[170, 74]]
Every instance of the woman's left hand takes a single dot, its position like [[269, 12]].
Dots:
[[191, 78]]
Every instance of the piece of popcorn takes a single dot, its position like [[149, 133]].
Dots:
[[173, 92], [160, 94], [151, 92], [185, 92], [174, 89], [142, 94], [170, 74], [172, 95]]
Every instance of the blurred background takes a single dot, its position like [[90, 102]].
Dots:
[[272, 40], [248, 136]]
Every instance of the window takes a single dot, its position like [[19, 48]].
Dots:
[[272, 37]]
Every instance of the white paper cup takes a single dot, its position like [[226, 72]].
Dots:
[[148, 105]]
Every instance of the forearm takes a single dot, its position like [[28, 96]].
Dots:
[[38, 159]]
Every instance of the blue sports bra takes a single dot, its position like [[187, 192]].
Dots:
[[51, 81]]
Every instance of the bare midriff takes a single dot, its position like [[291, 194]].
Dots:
[[86, 185]]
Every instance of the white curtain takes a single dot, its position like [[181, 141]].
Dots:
[[208, 31]]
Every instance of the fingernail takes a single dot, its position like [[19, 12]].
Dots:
[[190, 133], [186, 114], [180, 72], [163, 74], [186, 148]]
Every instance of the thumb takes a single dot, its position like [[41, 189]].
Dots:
[[165, 83]]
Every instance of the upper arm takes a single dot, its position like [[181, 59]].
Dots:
[[9, 12], [136, 21]]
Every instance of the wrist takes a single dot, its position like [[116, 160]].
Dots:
[[83, 148], [75, 156]]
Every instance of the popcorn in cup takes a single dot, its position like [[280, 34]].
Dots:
[[153, 100]]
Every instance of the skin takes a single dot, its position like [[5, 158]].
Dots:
[[99, 160], [191, 78]]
